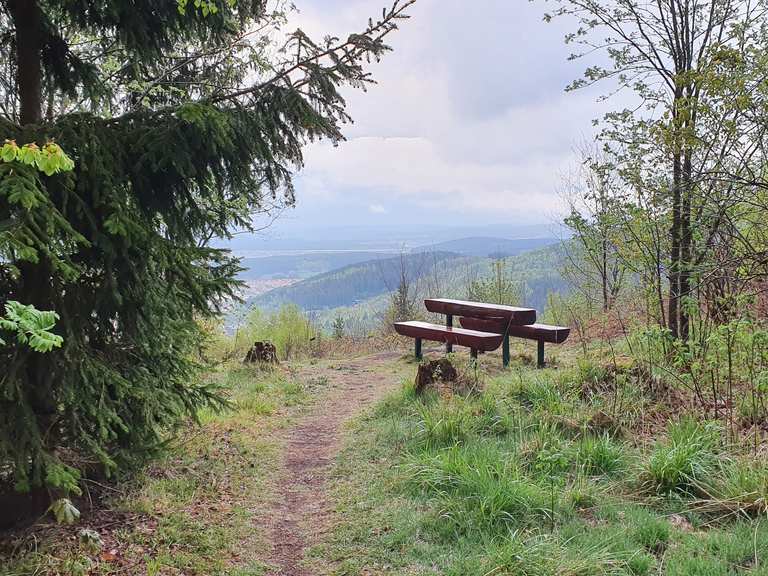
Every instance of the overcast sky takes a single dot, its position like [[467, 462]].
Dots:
[[469, 122]]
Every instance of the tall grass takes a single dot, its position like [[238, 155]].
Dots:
[[523, 479], [687, 459], [288, 329]]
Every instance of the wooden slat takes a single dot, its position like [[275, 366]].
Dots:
[[518, 316], [495, 325], [478, 340], [543, 332]]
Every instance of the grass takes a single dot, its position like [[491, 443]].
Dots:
[[521, 479], [687, 459], [193, 511], [515, 481]]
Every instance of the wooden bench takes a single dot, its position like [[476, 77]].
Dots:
[[475, 340], [540, 332], [484, 327]]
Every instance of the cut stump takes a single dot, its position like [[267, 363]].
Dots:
[[261, 353], [434, 372]]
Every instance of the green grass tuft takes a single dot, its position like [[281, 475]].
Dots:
[[687, 459]]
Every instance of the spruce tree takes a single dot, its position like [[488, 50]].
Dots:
[[137, 131]]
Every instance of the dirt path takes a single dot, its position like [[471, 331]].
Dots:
[[302, 512]]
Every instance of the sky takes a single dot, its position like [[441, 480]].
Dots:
[[468, 124]]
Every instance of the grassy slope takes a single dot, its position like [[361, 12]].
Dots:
[[517, 482], [191, 512], [561, 471]]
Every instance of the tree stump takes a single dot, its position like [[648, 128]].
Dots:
[[261, 353], [434, 372]]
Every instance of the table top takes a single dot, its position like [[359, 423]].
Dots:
[[516, 315]]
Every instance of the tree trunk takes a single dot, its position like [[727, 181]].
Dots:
[[27, 23], [35, 276], [673, 314], [659, 280], [685, 244], [604, 274]]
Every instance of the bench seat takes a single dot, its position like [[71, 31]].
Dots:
[[474, 339], [543, 332]]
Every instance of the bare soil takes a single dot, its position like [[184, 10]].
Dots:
[[302, 512]]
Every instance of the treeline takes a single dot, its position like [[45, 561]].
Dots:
[[668, 205], [673, 194], [302, 265], [359, 295], [354, 283]]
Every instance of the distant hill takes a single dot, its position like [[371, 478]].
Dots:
[[352, 284], [538, 270], [489, 246], [359, 293], [310, 263], [303, 265]]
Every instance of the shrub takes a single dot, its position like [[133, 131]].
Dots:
[[597, 455], [288, 329], [687, 459]]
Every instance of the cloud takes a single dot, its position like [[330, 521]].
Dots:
[[468, 120], [377, 209]]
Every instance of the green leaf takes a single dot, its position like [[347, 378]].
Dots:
[[9, 151], [65, 512], [32, 326]]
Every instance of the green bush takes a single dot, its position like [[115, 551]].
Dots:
[[288, 329], [687, 459], [600, 455]]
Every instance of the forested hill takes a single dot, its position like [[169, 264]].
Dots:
[[303, 265], [490, 246], [538, 272], [354, 283], [358, 292]]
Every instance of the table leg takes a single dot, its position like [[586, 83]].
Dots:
[[417, 348], [540, 354], [448, 324], [505, 351]]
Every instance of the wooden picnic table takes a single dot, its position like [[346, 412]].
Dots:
[[484, 327]]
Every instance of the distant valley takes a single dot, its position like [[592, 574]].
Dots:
[[355, 285]]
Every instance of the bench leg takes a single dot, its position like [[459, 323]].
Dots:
[[448, 324], [505, 351], [473, 353], [417, 348], [540, 354]]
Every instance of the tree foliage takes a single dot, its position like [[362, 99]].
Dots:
[[498, 287], [145, 129], [690, 151]]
